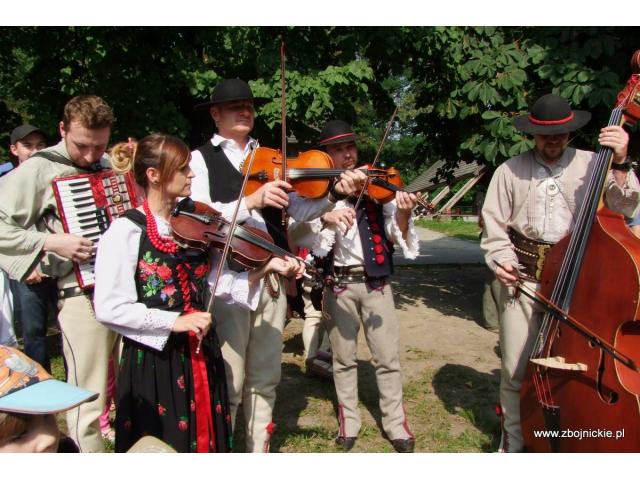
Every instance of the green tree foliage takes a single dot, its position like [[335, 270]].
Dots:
[[478, 79], [458, 87]]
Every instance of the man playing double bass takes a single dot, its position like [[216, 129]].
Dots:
[[532, 201]]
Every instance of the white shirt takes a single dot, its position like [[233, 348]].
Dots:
[[348, 247], [552, 218], [301, 209], [115, 296]]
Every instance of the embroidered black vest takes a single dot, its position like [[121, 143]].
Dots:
[[224, 186], [376, 248], [160, 282]]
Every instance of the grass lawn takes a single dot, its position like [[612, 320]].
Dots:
[[453, 228]]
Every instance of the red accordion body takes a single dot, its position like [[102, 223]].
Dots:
[[88, 203]]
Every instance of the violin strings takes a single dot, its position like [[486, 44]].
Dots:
[[299, 173], [259, 241]]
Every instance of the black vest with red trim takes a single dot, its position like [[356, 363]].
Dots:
[[225, 182], [376, 248]]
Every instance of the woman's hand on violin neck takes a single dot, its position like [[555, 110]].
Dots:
[[341, 218], [350, 182], [287, 267], [271, 194], [197, 322]]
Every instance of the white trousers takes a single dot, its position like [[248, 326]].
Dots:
[[519, 326], [344, 312], [87, 345], [251, 344]]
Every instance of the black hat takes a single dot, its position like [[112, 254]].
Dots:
[[551, 115], [336, 131], [231, 90], [22, 131]]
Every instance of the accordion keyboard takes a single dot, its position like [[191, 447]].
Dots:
[[87, 205]]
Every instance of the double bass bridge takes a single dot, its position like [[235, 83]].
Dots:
[[559, 363]]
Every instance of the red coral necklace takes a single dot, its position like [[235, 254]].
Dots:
[[163, 244]]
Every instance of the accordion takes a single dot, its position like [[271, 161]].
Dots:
[[88, 203]]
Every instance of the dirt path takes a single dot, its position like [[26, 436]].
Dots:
[[449, 365]]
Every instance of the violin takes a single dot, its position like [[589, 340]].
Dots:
[[384, 183], [197, 226], [310, 173]]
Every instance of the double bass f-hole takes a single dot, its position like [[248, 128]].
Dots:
[[610, 397]]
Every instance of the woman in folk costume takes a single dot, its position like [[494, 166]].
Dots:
[[151, 291]]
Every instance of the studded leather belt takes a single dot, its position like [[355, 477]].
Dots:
[[531, 254], [349, 270], [73, 292], [355, 274]]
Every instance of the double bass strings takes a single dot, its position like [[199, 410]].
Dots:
[[570, 269]]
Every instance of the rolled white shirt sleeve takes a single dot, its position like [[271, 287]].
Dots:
[[115, 296], [304, 209]]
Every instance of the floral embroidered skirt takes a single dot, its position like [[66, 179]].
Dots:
[[156, 396]]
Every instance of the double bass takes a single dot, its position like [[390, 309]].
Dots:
[[581, 390]]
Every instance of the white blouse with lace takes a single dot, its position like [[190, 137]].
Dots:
[[115, 296]]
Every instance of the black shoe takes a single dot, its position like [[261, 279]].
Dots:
[[404, 445], [346, 443]]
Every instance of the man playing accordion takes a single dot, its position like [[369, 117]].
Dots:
[[27, 199]]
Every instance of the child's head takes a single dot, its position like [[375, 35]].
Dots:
[[29, 398]]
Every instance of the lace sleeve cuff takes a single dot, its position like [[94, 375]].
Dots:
[[623, 199], [411, 246], [156, 328], [324, 240]]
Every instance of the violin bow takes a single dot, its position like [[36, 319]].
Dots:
[[384, 138], [283, 115], [232, 227], [557, 312]]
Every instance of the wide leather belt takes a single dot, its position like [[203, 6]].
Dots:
[[349, 270], [531, 254], [355, 274], [73, 292]]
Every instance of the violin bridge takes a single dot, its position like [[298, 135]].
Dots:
[[559, 364], [276, 174]]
